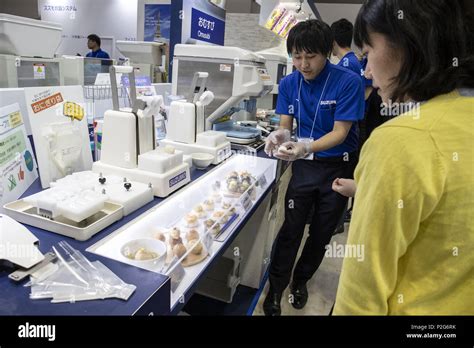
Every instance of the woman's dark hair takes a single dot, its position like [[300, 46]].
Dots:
[[95, 38], [430, 36], [342, 31], [312, 36]]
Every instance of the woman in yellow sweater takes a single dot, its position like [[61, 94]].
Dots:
[[414, 212]]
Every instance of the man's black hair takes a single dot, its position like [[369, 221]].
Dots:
[[312, 36], [342, 31], [430, 37], [95, 38]]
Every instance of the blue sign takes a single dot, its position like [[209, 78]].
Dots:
[[140, 81], [207, 28]]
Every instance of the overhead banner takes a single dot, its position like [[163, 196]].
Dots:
[[17, 162]]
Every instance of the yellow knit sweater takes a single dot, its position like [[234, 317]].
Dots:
[[414, 216]]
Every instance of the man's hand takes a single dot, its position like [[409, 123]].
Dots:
[[275, 139], [291, 151], [345, 187]]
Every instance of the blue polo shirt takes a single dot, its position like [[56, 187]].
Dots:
[[351, 62], [343, 100], [98, 54]]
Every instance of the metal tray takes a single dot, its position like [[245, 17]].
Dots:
[[82, 231]]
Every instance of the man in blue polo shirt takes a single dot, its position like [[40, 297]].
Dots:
[[93, 44], [342, 31], [327, 101]]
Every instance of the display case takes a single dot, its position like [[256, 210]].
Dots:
[[181, 237], [83, 71]]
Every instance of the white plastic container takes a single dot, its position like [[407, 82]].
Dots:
[[141, 51], [27, 37], [182, 122], [159, 162]]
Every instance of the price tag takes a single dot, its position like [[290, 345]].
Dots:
[[262, 181], [207, 241], [176, 273], [246, 201]]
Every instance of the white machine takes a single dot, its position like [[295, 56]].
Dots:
[[129, 145], [25, 60], [278, 66], [232, 75], [187, 117], [148, 57]]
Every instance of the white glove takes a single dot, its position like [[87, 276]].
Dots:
[[275, 139], [291, 151]]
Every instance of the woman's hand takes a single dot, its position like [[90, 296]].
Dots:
[[345, 187]]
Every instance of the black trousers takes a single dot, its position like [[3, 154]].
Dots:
[[310, 184]]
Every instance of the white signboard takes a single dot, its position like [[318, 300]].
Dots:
[[60, 131], [17, 162]]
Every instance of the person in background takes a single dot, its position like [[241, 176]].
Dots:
[[327, 101], [342, 31], [93, 44], [414, 212]]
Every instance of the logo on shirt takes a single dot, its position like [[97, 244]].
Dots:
[[328, 102]]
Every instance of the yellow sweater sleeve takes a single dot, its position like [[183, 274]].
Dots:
[[400, 180]]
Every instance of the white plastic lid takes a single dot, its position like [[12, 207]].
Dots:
[[29, 21]]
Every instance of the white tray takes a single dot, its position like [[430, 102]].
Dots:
[[26, 213]]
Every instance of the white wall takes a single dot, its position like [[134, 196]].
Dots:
[[106, 18]]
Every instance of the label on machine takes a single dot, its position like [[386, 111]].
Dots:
[[39, 71], [177, 179], [226, 68]]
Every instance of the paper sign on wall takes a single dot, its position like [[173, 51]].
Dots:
[[60, 131], [17, 164]]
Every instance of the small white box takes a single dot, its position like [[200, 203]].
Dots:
[[83, 206], [159, 162], [211, 138]]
